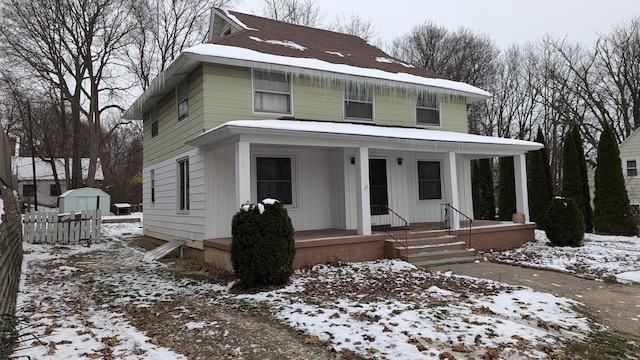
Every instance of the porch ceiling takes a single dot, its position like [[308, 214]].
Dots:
[[348, 135]]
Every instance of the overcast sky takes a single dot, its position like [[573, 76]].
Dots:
[[506, 21]]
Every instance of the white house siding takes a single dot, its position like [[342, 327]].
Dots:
[[162, 219], [630, 150], [44, 191], [465, 196], [339, 162]]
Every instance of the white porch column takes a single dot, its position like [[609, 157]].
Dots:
[[520, 175], [362, 191], [243, 172], [451, 175]]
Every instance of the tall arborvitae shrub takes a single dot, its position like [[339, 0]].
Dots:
[[507, 191], [586, 193], [484, 205], [538, 183], [262, 247], [564, 224], [611, 214], [571, 178]]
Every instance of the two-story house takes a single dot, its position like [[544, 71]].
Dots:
[[326, 123]]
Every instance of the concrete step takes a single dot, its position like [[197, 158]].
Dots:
[[436, 255], [460, 260], [431, 240], [456, 245]]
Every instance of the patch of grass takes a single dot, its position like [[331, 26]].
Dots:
[[611, 280], [8, 334], [600, 345]]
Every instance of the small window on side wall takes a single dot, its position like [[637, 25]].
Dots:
[[54, 190], [632, 168], [427, 110], [153, 114], [183, 185], [28, 190], [153, 185], [358, 102], [429, 180], [182, 100]]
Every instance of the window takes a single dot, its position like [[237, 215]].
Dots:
[[274, 179], [182, 100], [635, 209], [429, 181], [53, 190], [153, 185], [632, 168], [227, 31], [28, 190], [272, 92], [358, 101], [427, 110], [183, 185], [153, 113]]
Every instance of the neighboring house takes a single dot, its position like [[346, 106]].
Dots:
[[325, 122], [630, 158], [45, 183]]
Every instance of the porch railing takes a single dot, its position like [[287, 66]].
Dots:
[[386, 220], [446, 210]]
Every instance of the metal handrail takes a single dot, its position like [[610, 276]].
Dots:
[[392, 224], [445, 211]]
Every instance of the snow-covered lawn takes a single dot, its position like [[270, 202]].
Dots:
[[600, 257], [71, 300]]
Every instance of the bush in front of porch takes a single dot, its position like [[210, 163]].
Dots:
[[262, 246]]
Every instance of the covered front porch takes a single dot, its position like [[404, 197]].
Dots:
[[334, 245]]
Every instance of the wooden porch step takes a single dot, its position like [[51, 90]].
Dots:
[[163, 250]]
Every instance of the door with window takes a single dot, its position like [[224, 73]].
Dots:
[[378, 189]]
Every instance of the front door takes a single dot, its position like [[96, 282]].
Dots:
[[378, 195]]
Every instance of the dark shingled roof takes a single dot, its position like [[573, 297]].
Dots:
[[320, 44]]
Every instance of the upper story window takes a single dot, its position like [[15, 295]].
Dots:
[[429, 180], [632, 168], [358, 102], [274, 179], [153, 113], [427, 110], [182, 99], [271, 92]]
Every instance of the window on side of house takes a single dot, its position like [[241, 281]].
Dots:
[[182, 100], [274, 179], [427, 109], [635, 209], [429, 180], [632, 167], [271, 92], [358, 102], [28, 190], [53, 190], [152, 177], [153, 114], [183, 185]]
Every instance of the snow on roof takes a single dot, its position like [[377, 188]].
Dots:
[[235, 19], [122, 205], [231, 52], [23, 168], [383, 132]]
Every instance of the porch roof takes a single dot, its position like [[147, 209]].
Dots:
[[338, 134]]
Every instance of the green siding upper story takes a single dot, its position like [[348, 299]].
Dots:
[[221, 93]]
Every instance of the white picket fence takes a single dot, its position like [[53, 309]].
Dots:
[[52, 228]]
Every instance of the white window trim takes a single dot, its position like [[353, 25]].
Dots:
[[178, 190], [179, 100], [442, 187], [253, 92], [355, 119], [294, 176], [625, 168], [439, 108]]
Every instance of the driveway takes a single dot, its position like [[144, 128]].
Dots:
[[614, 305]]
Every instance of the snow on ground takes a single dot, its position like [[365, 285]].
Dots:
[[600, 257], [382, 309]]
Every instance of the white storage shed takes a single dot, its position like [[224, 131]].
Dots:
[[84, 199]]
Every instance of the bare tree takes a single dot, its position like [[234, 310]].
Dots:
[[163, 29], [121, 160], [74, 46], [300, 12], [354, 25]]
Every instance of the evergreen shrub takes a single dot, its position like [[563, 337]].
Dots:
[[564, 223], [262, 246]]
